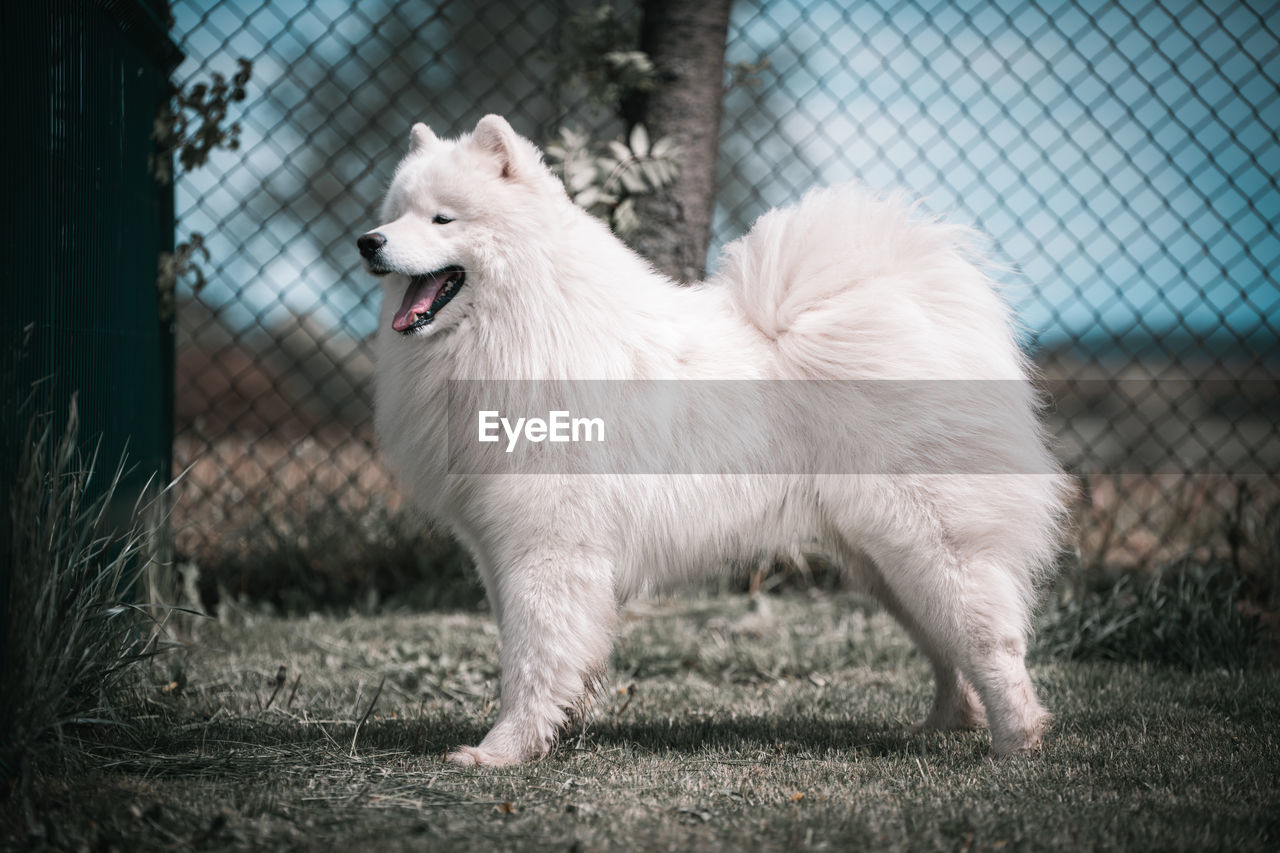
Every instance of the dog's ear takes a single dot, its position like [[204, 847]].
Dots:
[[421, 138], [495, 137]]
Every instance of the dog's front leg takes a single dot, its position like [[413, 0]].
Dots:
[[558, 616]]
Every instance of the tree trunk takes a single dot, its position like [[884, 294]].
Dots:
[[685, 39]]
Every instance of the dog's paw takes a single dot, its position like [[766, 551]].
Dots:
[[934, 723], [1024, 742], [950, 721], [963, 714], [474, 756]]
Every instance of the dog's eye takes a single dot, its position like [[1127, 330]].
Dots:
[[441, 219]]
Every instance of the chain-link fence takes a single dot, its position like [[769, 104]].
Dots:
[[1122, 157]]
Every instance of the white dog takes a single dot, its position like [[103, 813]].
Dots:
[[949, 513]]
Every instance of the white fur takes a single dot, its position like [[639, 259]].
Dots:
[[840, 286]]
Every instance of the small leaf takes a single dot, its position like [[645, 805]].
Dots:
[[620, 151], [632, 181], [640, 141], [578, 177], [624, 217], [652, 173]]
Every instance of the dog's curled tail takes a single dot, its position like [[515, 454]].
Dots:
[[848, 285]]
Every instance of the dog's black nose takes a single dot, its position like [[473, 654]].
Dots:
[[370, 243]]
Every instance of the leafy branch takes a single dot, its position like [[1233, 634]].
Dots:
[[606, 179], [180, 265], [192, 123], [599, 54]]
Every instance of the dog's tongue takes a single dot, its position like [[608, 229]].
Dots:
[[418, 296]]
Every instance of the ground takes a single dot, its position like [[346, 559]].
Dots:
[[724, 725]]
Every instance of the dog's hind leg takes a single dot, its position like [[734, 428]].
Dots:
[[973, 631], [994, 660], [558, 617], [956, 706], [970, 617]]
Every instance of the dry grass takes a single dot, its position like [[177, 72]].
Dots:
[[1127, 521], [315, 517], [73, 628], [725, 727], [237, 486]]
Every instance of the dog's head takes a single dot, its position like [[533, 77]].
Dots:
[[453, 213]]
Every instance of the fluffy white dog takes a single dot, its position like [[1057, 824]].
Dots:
[[947, 508]]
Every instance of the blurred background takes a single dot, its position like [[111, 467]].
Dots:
[[1122, 158]]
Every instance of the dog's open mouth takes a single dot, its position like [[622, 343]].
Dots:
[[425, 296]]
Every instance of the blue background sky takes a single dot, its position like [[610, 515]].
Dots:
[[1122, 157]]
